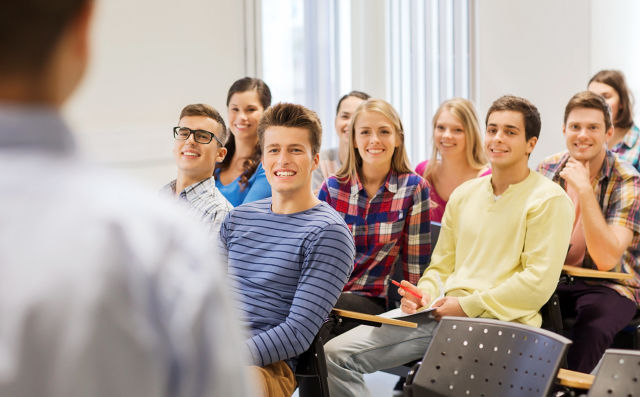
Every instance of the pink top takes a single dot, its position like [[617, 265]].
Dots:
[[438, 204]]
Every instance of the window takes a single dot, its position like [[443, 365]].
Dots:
[[412, 53]]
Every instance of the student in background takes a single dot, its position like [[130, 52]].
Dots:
[[385, 205], [500, 252], [457, 154], [332, 159], [289, 255], [625, 141], [107, 290], [606, 235], [198, 146], [240, 176]]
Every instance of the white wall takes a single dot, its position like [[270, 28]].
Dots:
[[539, 50], [150, 58], [615, 42]]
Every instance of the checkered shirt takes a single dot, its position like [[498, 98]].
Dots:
[[205, 201], [391, 228], [617, 188]]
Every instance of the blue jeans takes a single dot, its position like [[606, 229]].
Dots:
[[367, 349]]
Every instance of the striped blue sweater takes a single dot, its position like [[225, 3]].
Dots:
[[288, 271]]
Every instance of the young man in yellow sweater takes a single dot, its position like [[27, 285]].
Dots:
[[503, 241]]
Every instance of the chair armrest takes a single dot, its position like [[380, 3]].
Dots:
[[369, 319], [575, 271], [576, 380]]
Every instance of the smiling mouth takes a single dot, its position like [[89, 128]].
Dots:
[[285, 173], [375, 151], [499, 151], [190, 154]]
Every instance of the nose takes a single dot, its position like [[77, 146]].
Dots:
[[447, 132], [283, 158], [191, 138], [582, 132]]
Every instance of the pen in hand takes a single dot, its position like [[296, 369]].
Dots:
[[409, 290]]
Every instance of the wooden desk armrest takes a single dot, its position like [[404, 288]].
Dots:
[[591, 273], [577, 380], [374, 319]]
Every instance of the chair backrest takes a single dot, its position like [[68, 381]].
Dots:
[[618, 375], [483, 357], [434, 230]]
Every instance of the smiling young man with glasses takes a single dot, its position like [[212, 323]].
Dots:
[[198, 146]]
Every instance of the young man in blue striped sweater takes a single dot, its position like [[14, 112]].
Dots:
[[289, 255]]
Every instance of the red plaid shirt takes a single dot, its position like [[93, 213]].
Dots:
[[392, 227]]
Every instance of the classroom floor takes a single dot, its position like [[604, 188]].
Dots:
[[380, 383]]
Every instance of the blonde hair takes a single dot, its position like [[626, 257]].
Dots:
[[399, 161], [464, 111]]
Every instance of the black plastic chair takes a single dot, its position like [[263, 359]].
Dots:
[[483, 357], [618, 375], [311, 370]]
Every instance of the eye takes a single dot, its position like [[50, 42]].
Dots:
[[363, 132], [459, 130], [439, 127], [272, 150], [491, 131], [385, 131]]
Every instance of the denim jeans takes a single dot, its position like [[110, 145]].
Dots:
[[367, 349]]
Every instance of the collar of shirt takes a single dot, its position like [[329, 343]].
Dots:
[[34, 127], [390, 183], [191, 192], [630, 138]]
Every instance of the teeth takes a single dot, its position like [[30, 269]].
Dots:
[[498, 151], [375, 151], [191, 154], [447, 144], [285, 173]]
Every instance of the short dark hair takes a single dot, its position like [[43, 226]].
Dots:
[[589, 100], [615, 79], [358, 94], [529, 113], [30, 31], [293, 116], [204, 110]]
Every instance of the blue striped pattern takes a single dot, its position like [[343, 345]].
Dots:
[[288, 271]]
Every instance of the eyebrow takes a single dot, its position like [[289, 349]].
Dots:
[[506, 126]]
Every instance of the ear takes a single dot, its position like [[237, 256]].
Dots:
[[316, 162], [608, 134], [564, 129], [221, 154], [531, 144]]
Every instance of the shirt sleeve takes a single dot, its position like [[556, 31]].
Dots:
[[624, 205], [260, 188], [542, 258], [326, 268], [416, 243]]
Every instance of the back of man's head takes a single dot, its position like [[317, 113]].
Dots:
[[530, 114], [589, 100], [29, 31]]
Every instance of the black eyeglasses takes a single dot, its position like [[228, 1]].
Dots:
[[200, 136]]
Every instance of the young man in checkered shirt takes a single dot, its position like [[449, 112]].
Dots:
[[606, 234]]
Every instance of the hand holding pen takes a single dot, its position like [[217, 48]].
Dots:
[[412, 298]]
